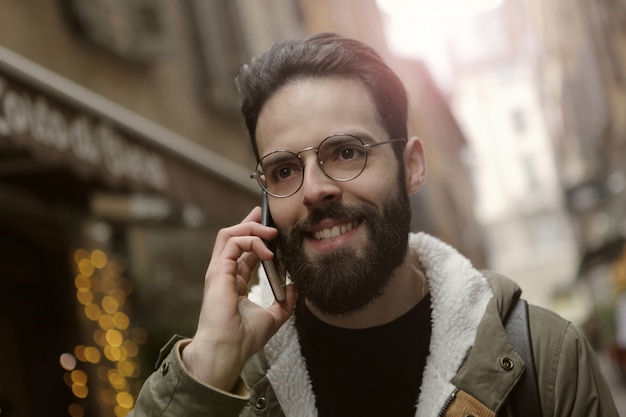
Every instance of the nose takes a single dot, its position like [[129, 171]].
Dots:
[[317, 187]]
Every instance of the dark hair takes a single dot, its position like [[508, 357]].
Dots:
[[322, 55]]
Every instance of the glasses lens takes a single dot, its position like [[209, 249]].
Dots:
[[343, 158], [280, 173]]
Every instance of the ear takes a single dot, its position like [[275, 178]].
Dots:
[[414, 165]]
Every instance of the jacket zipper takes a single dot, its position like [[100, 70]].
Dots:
[[449, 401]]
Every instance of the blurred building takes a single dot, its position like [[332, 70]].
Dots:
[[446, 205], [121, 155], [581, 66], [496, 97]]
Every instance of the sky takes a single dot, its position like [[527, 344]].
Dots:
[[416, 28]]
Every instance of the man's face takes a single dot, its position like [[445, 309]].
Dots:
[[340, 241]]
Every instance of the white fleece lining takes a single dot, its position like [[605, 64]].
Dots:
[[459, 295]]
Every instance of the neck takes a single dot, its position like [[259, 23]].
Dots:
[[407, 287]]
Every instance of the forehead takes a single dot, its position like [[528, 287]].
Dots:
[[303, 112]]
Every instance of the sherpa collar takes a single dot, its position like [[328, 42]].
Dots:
[[459, 295]]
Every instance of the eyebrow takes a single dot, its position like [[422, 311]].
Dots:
[[277, 157], [365, 137]]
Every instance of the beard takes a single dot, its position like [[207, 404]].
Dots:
[[346, 280]]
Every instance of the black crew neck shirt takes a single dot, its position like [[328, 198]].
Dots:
[[366, 372]]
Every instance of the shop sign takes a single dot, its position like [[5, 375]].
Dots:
[[56, 133]]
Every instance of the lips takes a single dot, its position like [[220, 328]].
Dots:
[[335, 231]]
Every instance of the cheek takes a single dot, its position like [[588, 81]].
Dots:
[[284, 213], [377, 186]]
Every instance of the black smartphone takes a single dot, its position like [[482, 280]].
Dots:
[[273, 269]]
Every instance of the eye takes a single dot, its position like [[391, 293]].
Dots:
[[280, 166], [348, 152], [284, 172]]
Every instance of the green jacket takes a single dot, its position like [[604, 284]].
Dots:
[[463, 375]]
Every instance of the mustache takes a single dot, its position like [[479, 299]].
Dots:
[[332, 211]]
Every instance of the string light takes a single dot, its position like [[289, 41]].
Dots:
[[102, 291]]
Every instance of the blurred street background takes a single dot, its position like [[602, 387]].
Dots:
[[122, 153]]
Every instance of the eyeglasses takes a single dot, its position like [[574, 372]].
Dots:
[[341, 157]]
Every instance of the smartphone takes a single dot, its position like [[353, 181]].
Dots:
[[273, 269]]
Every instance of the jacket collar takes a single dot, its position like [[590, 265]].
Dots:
[[459, 295]]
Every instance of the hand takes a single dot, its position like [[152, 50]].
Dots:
[[232, 328]]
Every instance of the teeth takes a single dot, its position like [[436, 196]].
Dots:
[[333, 231]]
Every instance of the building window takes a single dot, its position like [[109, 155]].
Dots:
[[518, 120], [228, 33], [131, 29]]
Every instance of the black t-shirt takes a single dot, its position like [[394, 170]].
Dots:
[[366, 372]]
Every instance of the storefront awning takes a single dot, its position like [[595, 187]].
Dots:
[[62, 123]]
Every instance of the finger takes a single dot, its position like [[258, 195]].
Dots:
[[246, 265], [282, 311], [246, 248], [247, 229], [240, 257], [242, 286]]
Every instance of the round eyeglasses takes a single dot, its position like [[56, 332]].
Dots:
[[341, 157]]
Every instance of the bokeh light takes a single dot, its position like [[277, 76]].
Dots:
[[121, 320], [114, 338], [106, 322], [67, 361], [80, 254], [85, 267], [92, 312], [110, 304], [116, 379], [92, 355], [79, 378], [102, 291], [82, 282], [76, 410], [98, 259], [80, 391], [84, 296], [125, 400]]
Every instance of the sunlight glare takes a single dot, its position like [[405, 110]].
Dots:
[[416, 27]]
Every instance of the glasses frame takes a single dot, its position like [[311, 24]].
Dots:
[[366, 146]]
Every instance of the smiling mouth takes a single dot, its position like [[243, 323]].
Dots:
[[335, 231]]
